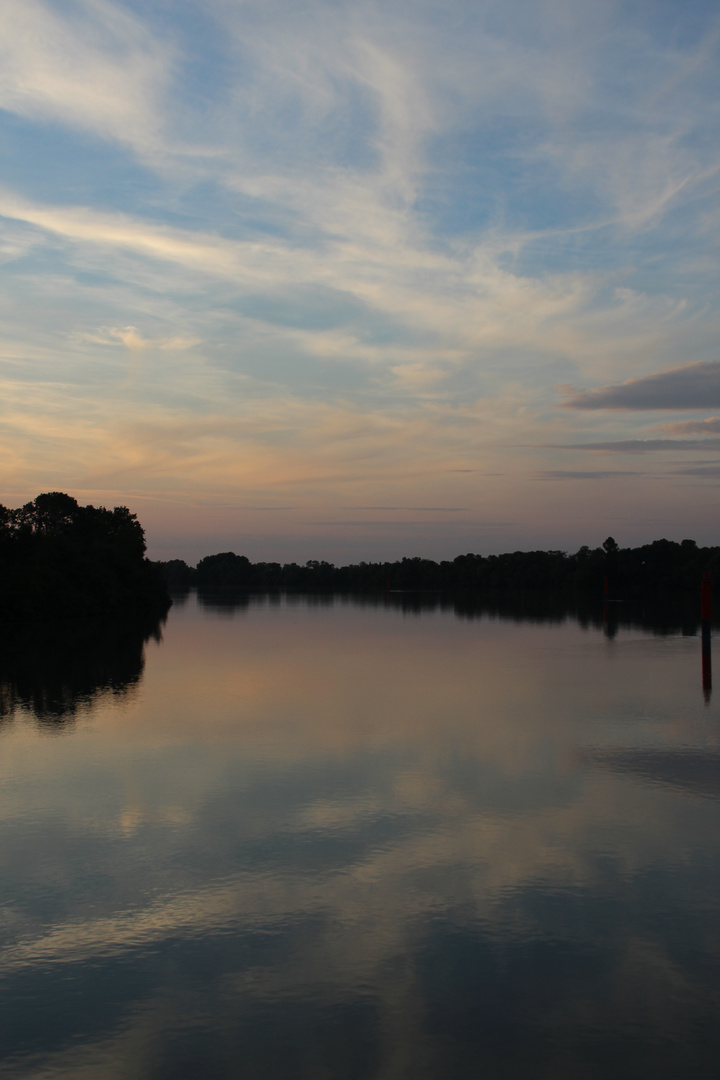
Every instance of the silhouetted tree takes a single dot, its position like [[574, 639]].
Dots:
[[661, 566], [57, 558]]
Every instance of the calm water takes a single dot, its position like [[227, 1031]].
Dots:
[[332, 840]]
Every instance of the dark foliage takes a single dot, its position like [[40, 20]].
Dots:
[[58, 558], [663, 566]]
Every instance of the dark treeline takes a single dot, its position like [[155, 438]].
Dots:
[[662, 566], [58, 558]]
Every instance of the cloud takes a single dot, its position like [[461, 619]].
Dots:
[[97, 69], [692, 386], [588, 474], [427, 509], [367, 241], [447, 306], [640, 446], [710, 471], [694, 427], [132, 339]]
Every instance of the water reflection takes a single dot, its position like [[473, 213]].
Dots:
[[695, 771], [50, 670], [668, 615], [388, 839], [706, 662]]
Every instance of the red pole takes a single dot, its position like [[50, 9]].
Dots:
[[706, 598], [706, 612]]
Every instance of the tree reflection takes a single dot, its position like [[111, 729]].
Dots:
[[678, 614], [53, 670]]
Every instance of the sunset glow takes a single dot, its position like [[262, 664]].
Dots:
[[351, 281]]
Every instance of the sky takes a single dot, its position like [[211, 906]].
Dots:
[[349, 280]]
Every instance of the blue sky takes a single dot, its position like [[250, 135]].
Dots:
[[348, 280]]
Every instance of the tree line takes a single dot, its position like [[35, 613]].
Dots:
[[58, 558], [662, 565]]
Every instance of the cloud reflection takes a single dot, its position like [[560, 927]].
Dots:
[[388, 845]]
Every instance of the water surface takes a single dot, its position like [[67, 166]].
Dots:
[[307, 839]]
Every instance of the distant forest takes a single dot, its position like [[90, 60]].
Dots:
[[58, 558], [630, 572]]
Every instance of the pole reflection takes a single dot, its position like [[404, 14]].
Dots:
[[706, 663]]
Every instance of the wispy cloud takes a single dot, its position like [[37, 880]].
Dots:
[[461, 304], [132, 339], [335, 252], [641, 446], [584, 474], [692, 386], [96, 67], [694, 427], [710, 471]]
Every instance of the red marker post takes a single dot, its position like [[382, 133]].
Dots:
[[706, 600], [706, 615]]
